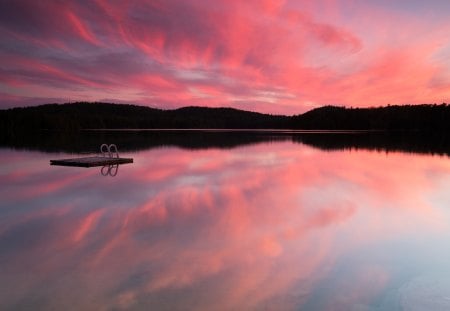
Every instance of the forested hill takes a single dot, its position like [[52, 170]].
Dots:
[[409, 117], [75, 116]]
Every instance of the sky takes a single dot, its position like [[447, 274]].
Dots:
[[271, 56]]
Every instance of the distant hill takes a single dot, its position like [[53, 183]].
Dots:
[[408, 117], [76, 116]]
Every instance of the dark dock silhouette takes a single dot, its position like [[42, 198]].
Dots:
[[91, 161], [109, 156]]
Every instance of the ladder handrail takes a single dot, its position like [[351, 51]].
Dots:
[[115, 152], [111, 151], [104, 152]]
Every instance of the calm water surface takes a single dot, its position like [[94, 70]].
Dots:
[[274, 225]]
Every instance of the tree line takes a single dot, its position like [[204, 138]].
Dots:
[[408, 117], [83, 115], [76, 116]]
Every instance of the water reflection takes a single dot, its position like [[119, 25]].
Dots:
[[137, 140], [277, 226], [110, 170]]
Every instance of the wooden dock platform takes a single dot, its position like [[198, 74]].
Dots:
[[91, 161]]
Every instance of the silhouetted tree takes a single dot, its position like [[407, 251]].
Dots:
[[76, 116]]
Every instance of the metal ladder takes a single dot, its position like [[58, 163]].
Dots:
[[109, 151]]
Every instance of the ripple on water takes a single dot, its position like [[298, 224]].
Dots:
[[426, 292]]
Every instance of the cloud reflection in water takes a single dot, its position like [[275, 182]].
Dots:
[[267, 226]]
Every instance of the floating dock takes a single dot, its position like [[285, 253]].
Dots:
[[91, 161]]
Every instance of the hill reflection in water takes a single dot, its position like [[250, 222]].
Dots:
[[135, 140], [257, 224]]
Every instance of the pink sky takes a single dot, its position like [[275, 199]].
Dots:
[[271, 56]]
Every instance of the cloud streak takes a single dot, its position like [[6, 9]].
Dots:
[[273, 56]]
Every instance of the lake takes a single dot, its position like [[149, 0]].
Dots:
[[216, 220]]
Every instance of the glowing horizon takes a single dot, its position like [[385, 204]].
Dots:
[[271, 56]]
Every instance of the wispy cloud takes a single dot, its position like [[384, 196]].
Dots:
[[274, 56]]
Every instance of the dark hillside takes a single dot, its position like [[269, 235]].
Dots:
[[410, 117], [76, 116]]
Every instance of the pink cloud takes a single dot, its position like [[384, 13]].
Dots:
[[165, 53]]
